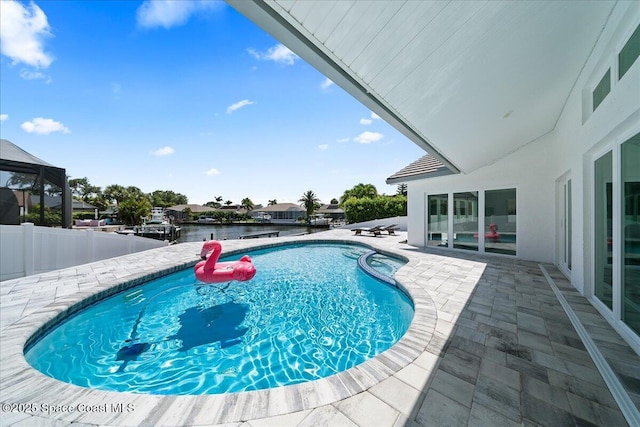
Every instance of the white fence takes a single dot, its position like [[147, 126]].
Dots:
[[26, 249]]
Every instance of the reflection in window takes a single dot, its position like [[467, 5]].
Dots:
[[465, 220], [630, 159], [603, 229], [500, 221], [437, 220]]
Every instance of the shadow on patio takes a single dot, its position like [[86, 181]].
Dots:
[[506, 353]]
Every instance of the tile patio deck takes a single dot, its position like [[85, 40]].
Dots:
[[490, 345]]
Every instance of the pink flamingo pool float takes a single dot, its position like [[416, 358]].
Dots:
[[211, 271], [492, 234]]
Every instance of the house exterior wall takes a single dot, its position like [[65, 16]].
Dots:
[[582, 134], [533, 169], [525, 170], [569, 149]]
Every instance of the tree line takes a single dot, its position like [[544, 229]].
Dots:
[[360, 203]]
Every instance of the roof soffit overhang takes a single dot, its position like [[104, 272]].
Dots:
[[275, 20], [469, 82]]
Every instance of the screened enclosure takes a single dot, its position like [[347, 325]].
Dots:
[[32, 190]]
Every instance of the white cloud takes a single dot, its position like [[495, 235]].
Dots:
[[22, 31], [171, 13], [4, 117], [323, 147], [44, 126], [342, 140], [278, 53], [238, 105], [326, 84], [368, 137], [366, 121], [212, 172], [34, 75], [164, 151]]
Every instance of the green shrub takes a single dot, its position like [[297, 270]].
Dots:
[[367, 209]]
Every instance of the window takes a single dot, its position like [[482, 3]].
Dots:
[[604, 229], [465, 220], [437, 220], [629, 53], [602, 89], [500, 221], [565, 221], [458, 215], [630, 256]]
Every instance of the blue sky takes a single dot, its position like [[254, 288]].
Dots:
[[187, 96]]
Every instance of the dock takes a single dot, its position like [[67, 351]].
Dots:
[[261, 234]]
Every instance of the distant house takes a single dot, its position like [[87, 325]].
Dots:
[[332, 211], [282, 213], [179, 211]]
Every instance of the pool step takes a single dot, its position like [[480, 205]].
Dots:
[[364, 265]]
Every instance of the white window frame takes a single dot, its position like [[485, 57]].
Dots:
[[481, 222], [562, 203], [613, 316]]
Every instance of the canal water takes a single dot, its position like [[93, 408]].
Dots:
[[201, 232]]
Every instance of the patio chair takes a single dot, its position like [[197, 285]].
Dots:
[[390, 229], [376, 231]]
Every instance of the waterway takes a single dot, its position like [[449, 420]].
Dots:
[[200, 232]]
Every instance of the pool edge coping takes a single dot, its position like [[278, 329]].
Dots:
[[223, 407]]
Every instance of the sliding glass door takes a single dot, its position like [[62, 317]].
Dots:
[[617, 232], [630, 248], [465, 220], [437, 220], [500, 221], [604, 229], [455, 220], [565, 220]]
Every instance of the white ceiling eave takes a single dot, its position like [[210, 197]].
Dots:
[[264, 15], [469, 82]]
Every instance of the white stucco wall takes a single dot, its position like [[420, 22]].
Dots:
[[527, 170], [569, 148], [583, 135]]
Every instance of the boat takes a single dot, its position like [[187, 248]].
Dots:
[[319, 219], [158, 227], [262, 217], [202, 219]]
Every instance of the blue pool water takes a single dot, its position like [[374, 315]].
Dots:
[[309, 312]]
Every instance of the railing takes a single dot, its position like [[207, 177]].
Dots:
[[26, 249]]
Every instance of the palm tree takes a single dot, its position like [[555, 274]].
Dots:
[[247, 204], [272, 202], [115, 192], [310, 202], [360, 191]]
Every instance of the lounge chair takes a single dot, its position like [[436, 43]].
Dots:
[[376, 231], [390, 229]]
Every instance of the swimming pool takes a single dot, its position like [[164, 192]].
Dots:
[[310, 312]]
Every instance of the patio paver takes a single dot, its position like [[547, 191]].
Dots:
[[490, 345]]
